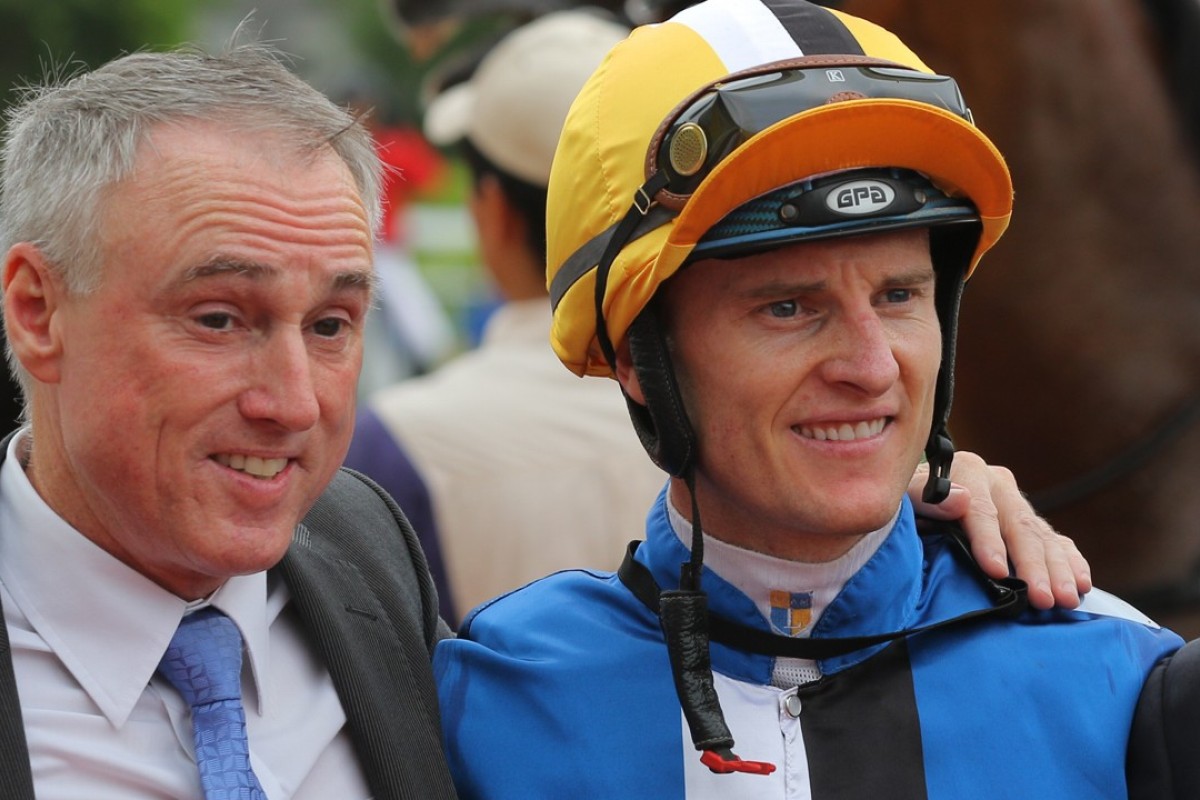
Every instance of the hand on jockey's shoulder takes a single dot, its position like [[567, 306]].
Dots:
[[1003, 527]]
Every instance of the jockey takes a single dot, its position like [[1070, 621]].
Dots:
[[761, 217]]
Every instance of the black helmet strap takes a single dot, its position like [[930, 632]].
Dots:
[[662, 423], [951, 248], [621, 233], [666, 432]]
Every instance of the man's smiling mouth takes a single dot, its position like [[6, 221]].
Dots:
[[252, 465], [843, 432]]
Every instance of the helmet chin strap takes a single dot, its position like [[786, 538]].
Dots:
[[683, 616], [939, 452], [950, 249], [666, 432]]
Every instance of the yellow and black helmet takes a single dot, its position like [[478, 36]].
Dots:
[[724, 103]]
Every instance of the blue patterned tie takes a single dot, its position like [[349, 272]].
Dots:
[[204, 662]]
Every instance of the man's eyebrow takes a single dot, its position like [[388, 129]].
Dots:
[[227, 266], [348, 280], [784, 288], [356, 279], [915, 276]]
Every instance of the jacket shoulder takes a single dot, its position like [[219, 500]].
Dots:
[[364, 596], [356, 521]]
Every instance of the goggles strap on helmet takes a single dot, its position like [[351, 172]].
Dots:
[[642, 202], [951, 248], [662, 423]]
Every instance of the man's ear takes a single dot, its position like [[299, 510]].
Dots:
[[627, 376], [33, 293]]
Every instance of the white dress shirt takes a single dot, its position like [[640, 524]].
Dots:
[[87, 633]]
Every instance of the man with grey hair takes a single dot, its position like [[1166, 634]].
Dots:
[[188, 267]]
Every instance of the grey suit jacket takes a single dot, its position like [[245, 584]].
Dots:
[[361, 587]]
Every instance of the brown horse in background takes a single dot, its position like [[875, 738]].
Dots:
[[1079, 351]]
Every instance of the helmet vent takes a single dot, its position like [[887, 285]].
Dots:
[[689, 148]]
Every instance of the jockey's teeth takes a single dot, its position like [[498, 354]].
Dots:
[[844, 432]]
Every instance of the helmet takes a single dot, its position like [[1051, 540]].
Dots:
[[740, 125]]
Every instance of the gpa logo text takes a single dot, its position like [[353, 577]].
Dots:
[[860, 197]]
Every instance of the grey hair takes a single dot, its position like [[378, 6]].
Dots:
[[67, 143]]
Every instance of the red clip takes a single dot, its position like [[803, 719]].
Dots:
[[722, 765]]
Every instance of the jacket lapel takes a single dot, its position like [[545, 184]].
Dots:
[[16, 778], [379, 662]]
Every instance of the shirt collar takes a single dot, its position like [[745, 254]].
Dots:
[[243, 598], [881, 596], [113, 648], [760, 576]]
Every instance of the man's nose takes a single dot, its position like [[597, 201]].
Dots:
[[862, 354], [281, 387]]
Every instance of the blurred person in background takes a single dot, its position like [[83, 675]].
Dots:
[[409, 332], [508, 466]]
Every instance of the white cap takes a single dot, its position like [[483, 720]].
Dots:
[[513, 107]]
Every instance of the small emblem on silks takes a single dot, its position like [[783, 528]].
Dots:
[[791, 612], [858, 198]]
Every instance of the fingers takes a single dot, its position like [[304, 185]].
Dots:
[[1002, 527], [1057, 573], [1037, 561], [1049, 562], [969, 502]]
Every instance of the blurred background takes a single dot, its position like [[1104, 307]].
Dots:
[[1079, 357]]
